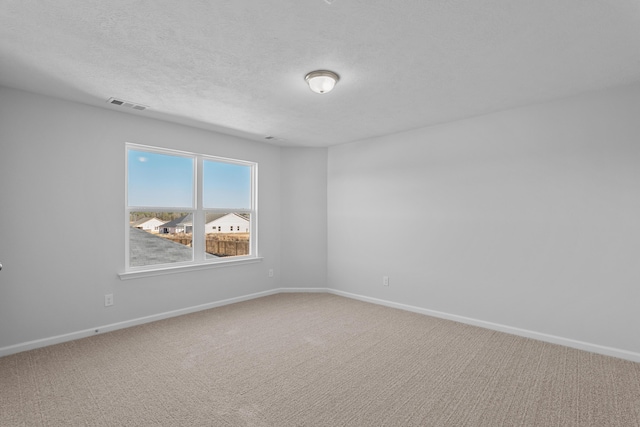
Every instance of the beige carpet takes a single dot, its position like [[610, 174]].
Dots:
[[314, 360]]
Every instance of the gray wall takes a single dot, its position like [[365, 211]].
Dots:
[[528, 218], [61, 219], [304, 219]]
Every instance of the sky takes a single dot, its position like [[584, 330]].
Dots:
[[162, 180]]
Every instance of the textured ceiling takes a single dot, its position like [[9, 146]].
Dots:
[[238, 66]]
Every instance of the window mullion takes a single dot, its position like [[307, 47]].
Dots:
[[253, 243], [198, 236]]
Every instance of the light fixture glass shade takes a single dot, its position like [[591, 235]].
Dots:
[[322, 81]]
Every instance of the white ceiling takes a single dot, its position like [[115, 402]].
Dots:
[[238, 66]]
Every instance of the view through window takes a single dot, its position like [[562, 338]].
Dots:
[[185, 208]]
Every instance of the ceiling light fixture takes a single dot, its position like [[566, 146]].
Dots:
[[322, 81]]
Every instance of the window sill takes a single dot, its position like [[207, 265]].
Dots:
[[161, 271]]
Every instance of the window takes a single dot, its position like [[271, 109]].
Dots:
[[190, 199]]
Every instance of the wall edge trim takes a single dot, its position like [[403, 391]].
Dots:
[[58, 339], [553, 339], [539, 336]]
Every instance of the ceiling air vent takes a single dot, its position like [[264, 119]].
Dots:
[[275, 139], [127, 104]]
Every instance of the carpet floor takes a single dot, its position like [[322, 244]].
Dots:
[[314, 360]]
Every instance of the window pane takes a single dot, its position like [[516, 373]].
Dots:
[[159, 180], [168, 189], [160, 238], [227, 234], [226, 185]]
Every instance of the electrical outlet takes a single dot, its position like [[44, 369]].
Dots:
[[385, 280], [271, 272], [108, 300]]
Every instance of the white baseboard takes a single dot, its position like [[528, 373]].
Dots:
[[580, 345], [567, 342], [44, 342], [302, 290]]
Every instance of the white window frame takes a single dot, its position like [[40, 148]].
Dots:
[[199, 260]]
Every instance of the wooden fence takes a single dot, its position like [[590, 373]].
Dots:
[[219, 247], [216, 244]]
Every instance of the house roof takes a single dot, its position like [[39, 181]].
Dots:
[[149, 249], [183, 220], [144, 220], [210, 217], [214, 217]]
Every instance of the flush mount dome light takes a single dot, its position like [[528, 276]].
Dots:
[[322, 81]]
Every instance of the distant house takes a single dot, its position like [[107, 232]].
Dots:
[[150, 225], [227, 223], [183, 224]]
